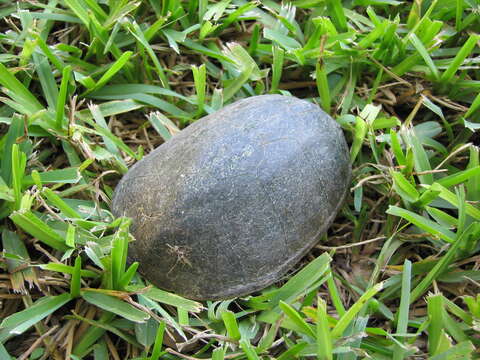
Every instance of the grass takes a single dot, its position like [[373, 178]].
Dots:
[[88, 87]]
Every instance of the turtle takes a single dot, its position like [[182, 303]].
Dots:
[[233, 201]]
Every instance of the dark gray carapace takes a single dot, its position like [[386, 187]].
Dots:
[[232, 202]]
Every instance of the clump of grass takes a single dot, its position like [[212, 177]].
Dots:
[[89, 87]]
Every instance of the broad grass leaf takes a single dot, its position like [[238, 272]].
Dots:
[[116, 306], [22, 320]]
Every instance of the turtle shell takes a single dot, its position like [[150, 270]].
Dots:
[[233, 201]]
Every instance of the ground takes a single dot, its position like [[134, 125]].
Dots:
[[89, 87]]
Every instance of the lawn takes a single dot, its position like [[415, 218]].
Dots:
[[89, 87]]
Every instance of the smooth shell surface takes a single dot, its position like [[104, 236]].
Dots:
[[233, 201]]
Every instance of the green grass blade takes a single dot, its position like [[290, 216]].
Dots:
[[80, 10], [277, 67], [15, 131], [474, 107], [28, 100], [335, 296], [297, 319], [351, 313], [236, 84], [165, 297], [4, 354], [462, 350], [70, 239], [302, 280], [47, 81], [58, 176], [359, 135], [55, 60], [112, 70], [21, 321], [62, 97], [404, 188], [459, 177], [139, 35], [163, 125], [76, 278], [324, 339], [465, 51], [322, 86], [119, 252], [249, 350], [115, 305], [436, 333], [425, 55], [335, 10], [52, 266], [101, 327], [200, 77], [157, 347], [403, 311], [19, 161], [231, 325], [128, 275], [473, 183], [423, 223], [38, 229], [447, 195], [58, 202], [219, 353], [421, 161], [292, 351], [442, 265], [83, 346]]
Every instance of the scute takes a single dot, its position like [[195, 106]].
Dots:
[[233, 201]]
